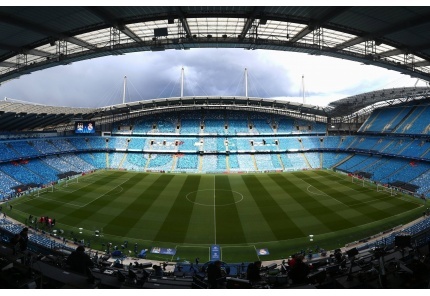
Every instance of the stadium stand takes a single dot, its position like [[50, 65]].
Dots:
[[187, 162], [135, 162], [23, 148], [8, 153], [136, 144], [159, 162]]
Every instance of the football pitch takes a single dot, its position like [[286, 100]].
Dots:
[[239, 212]]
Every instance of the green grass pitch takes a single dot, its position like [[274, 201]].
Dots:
[[240, 212]]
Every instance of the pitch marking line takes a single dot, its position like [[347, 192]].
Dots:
[[119, 185], [322, 193], [256, 252], [58, 201], [211, 205], [81, 206], [214, 212], [316, 193], [370, 189]]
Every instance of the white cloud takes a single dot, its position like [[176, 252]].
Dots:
[[98, 82]]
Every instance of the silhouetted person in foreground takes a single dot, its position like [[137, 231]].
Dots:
[[253, 272], [214, 274], [79, 261], [299, 272]]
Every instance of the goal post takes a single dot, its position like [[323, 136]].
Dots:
[[383, 188], [357, 180], [70, 180], [49, 188]]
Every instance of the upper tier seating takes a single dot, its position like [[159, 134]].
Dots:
[[44, 146], [7, 152], [24, 149]]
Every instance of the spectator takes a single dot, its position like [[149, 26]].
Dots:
[[292, 260], [24, 239], [214, 275], [15, 243], [253, 272], [158, 270], [79, 261], [299, 272]]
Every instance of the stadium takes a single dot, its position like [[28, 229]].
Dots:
[[191, 180]]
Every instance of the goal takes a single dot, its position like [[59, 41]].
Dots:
[[71, 180], [46, 189], [357, 180], [382, 188]]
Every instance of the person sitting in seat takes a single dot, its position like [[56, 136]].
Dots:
[[253, 272], [80, 262], [299, 272]]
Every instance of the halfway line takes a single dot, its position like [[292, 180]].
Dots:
[[214, 211]]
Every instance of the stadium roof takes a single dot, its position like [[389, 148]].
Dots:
[[35, 38], [350, 105], [22, 116]]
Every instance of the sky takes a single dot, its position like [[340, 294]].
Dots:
[[208, 72]]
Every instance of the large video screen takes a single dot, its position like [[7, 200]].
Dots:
[[85, 127]]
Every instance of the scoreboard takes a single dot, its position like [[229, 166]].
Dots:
[[85, 127]]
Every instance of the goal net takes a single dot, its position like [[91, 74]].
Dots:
[[46, 189], [358, 180], [71, 181], [382, 188]]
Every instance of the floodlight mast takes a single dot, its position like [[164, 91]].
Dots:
[[303, 88], [182, 82], [125, 85], [246, 83]]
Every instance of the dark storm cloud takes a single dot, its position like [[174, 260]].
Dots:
[[150, 75], [208, 72]]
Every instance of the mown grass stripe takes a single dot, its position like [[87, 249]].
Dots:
[[387, 208], [229, 227], [58, 208], [47, 206], [326, 215], [130, 216], [279, 222], [174, 226], [101, 208]]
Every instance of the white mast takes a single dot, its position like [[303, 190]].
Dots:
[[182, 82], [125, 85], [303, 88], [246, 82]]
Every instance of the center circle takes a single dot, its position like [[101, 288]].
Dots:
[[238, 197]]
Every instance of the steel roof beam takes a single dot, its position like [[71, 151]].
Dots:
[[7, 64], [38, 52], [392, 52], [183, 21], [108, 18], [420, 64], [318, 23], [250, 20], [412, 22], [35, 52], [31, 26]]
